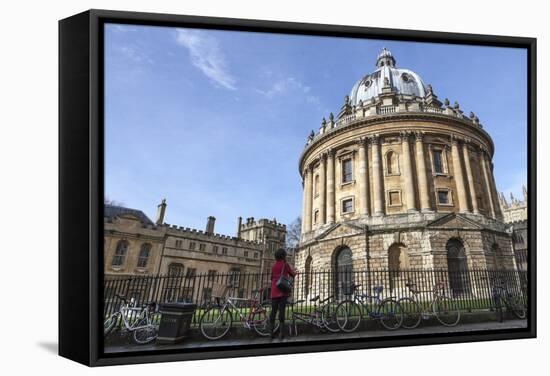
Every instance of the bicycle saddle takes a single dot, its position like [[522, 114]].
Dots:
[[378, 289]]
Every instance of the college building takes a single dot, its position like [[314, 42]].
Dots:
[[136, 246]]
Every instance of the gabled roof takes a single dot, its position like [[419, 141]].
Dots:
[[454, 220], [339, 229], [112, 211]]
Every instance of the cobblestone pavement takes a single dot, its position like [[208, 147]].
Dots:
[[233, 341]]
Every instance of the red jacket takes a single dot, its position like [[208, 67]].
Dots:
[[276, 270]]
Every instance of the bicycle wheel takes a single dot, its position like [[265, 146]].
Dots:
[[215, 322], [328, 316], [145, 335], [348, 316], [446, 311], [390, 313], [260, 320], [109, 324], [516, 306], [411, 312]]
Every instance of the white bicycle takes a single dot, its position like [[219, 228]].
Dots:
[[140, 323]]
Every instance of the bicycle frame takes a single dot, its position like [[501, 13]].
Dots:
[[426, 305], [124, 311], [253, 308]]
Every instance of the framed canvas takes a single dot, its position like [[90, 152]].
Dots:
[[235, 187]]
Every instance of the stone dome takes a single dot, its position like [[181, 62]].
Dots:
[[400, 81]]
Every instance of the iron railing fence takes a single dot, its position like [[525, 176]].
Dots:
[[471, 288]]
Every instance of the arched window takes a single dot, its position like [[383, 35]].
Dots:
[[343, 267], [457, 267], [120, 253], [307, 272], [392, 163], [144, 253], [398, 260], [175, 269]]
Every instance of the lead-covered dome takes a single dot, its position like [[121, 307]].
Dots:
[[400, 81]]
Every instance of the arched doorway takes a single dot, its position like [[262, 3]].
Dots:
[[343, 268], [398, 260], [457, 267]]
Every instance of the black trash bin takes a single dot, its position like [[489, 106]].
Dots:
[[175, 321]]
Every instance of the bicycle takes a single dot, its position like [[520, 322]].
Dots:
[[387, 311], [442, 307], [322, 316], [144, 331], [217, 320], [502, 296]]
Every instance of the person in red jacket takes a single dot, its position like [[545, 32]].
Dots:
[[278, 297]]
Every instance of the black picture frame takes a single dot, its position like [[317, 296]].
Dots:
[[81, 183]]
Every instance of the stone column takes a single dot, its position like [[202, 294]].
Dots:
[[377, 176], [304, 199], [322, 188], [422, 175], [309, 198], [408, 172], [470, 175], [362, 177], [487, 184], [493, 186], [459, 176], [330, 187]]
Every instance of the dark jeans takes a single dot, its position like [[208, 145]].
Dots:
[[278, 304]]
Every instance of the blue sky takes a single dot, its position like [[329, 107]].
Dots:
[[214, 121]]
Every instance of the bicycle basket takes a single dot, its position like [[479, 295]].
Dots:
[[219, 290]]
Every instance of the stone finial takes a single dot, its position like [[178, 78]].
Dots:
[[372, 100], [360, 103], [386, 82], [331, 117], [346, 99], [446, 102], [312, 135], [472, 116], [430, 89], [324, 122], [456, 105], [161, 211]]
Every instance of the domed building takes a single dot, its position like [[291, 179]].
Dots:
[[400, 180]]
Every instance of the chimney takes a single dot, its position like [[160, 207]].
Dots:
[[161, 209], [210, 225], [239, 223]]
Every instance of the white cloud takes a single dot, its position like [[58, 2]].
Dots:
[[288, 86], [207, 56], [135, 54]]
